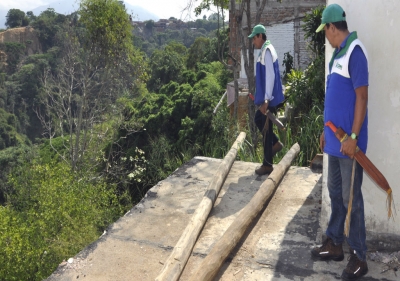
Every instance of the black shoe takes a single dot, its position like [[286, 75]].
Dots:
[[355, 268], [328, 251]]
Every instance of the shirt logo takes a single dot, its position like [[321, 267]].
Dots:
[[338, 65]]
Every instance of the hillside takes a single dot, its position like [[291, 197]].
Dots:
[[22, 35], [70, 6]]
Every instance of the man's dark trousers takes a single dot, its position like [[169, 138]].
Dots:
[[269, 137]]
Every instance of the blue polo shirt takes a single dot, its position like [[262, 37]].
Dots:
[[358, 66], [340, 98]]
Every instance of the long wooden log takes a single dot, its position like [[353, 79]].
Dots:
[[175, 263], [211, 264]]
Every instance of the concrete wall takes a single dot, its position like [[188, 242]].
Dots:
[[376, 23]]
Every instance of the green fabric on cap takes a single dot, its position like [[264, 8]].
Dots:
[[332, 13], [259, 28]]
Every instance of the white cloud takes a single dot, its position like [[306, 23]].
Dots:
[[24, 5]]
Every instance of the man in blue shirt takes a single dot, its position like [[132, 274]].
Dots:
[[268, 95], [346, 103]]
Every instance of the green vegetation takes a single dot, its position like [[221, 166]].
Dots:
[[104, 113], [150, 38], [305, 91], [16, 18], [8, 134], [51, 214]]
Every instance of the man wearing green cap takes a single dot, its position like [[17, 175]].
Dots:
[[268, 95], [346, 102]]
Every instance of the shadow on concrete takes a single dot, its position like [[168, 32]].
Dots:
[[236, 197], [283, 253]]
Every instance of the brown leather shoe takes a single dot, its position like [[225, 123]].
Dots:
[[328, 251], [276, 148], [355, 268], [263, 170]]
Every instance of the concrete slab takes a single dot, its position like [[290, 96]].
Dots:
[[276, 247]]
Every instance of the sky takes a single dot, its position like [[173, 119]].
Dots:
[[162, 8]]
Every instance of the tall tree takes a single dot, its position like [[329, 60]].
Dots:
[[166, 66], [48, 24], [109, 32], [198, 51], [16, 18], [98, 63]]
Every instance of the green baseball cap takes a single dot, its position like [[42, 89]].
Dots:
[[332, 13], [259, 28]]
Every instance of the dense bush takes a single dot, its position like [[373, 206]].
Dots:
[[51, 214], [8, 134], [305, 89], [177, 123], [10, 158], [14, 52]]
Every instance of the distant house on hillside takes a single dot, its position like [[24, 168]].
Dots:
[[139, 25], [173, 25], [177, 24], [161, 25]]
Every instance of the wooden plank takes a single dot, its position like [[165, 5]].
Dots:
[[175, 263], [211, 264]]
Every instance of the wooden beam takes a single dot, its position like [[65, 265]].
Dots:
[[211, 264], [175, 263]]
